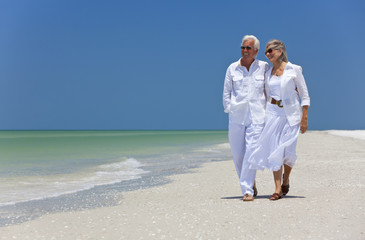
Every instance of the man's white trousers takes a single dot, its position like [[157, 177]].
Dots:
[[243, 139]]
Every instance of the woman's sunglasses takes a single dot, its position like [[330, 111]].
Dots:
[[269, 50]]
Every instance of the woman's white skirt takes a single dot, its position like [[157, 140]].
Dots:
[[277, 143]]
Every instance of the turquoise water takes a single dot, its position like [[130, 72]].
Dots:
[[38, 165]]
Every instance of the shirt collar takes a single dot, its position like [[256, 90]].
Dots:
[[239, 62]]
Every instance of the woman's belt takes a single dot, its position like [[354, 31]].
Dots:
[[274, 101]]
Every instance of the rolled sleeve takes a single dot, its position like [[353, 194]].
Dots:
[[302, 87], [227, 91], [227, 109]]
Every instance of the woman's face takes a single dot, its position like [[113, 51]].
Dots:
[[272, 54]]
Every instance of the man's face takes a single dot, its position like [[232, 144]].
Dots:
[[247, 50]]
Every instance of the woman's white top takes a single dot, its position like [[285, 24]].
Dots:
[[292, 84], [274, 85]]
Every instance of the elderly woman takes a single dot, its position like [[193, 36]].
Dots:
[[285, 116]]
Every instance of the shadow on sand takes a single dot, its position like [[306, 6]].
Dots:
[[262, 197]]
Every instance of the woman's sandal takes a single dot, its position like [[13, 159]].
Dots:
[[276, 196], [284, 188]]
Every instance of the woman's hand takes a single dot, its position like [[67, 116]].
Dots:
[[303, 125], [304, 122]]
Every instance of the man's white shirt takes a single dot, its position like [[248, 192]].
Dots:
[[243, 92]]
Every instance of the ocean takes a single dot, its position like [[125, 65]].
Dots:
[[53, 171]]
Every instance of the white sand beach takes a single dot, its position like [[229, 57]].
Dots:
[[359, 134], [326, 201]]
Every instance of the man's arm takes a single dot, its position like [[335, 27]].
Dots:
[[227, 91]]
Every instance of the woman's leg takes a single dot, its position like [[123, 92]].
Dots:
[[287, 171], [277, 180], [285, 186]]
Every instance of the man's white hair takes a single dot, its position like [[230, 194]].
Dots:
[[251, 37]]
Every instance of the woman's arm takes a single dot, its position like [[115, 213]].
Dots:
[[302, 87], [304, 97], [304, 122]]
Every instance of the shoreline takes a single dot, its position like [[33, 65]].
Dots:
[[90, 170], [101, 196], [325, 201], [108, 195]]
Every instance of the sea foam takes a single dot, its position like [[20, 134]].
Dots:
[[27, 188]]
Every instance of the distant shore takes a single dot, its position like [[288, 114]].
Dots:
[[325, 202], [358, 134]]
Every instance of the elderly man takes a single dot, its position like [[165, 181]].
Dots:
[[244, 99]]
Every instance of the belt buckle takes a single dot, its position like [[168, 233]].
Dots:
[[279, 104]]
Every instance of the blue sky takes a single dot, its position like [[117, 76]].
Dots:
[[91, 64]]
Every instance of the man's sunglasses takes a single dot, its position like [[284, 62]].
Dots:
[[248, 48]]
